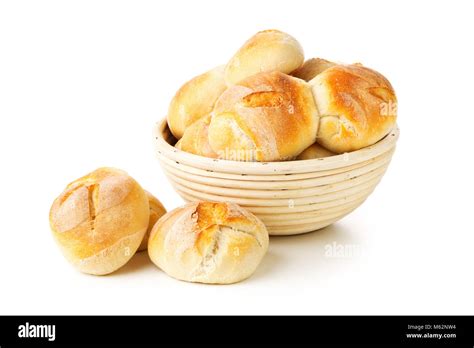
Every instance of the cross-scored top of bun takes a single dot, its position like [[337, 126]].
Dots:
[[357, 106]]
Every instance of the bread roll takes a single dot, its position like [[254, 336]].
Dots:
[[267, 50], [314, 151], [194, 100], [157, 210], [195, 139], [266, 117], [357, 107], [311, 68], [100, 220], [216, 243]]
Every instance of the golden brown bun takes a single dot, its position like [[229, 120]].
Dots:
[[266, 117], [311, 68], [314, 151], [217, 243], [195, 139], [357, 107], [157, 210], [99, 220], [267, 50], [195, 99]]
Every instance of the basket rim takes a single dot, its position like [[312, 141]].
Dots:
[[166, 150]]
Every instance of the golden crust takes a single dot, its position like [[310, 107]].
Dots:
[[311, 68], [195, 139], [268, 50], [99, 220], [195, 99], [157, 210], [266, 117], [315, 151], [208, 242], [358, 107]]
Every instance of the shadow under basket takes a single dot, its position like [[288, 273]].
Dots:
[[290, 197]]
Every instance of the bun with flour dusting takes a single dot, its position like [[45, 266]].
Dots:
[[357, 107], [218, 243], [194, 100], [195, 139], [99, 220], [266, 117], [268, 50]]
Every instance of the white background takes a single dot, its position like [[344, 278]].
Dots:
[[83, 82]]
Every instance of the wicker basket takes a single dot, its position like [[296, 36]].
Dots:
[[289, 197]]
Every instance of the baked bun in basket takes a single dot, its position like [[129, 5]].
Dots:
[[311, 68], [314, 151], [195, 139], [268, 50], [195, 99], [357, 107], [266, 117]]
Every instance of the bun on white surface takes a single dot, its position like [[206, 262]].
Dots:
[[216, 243], [268, 50], [99, 220]]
